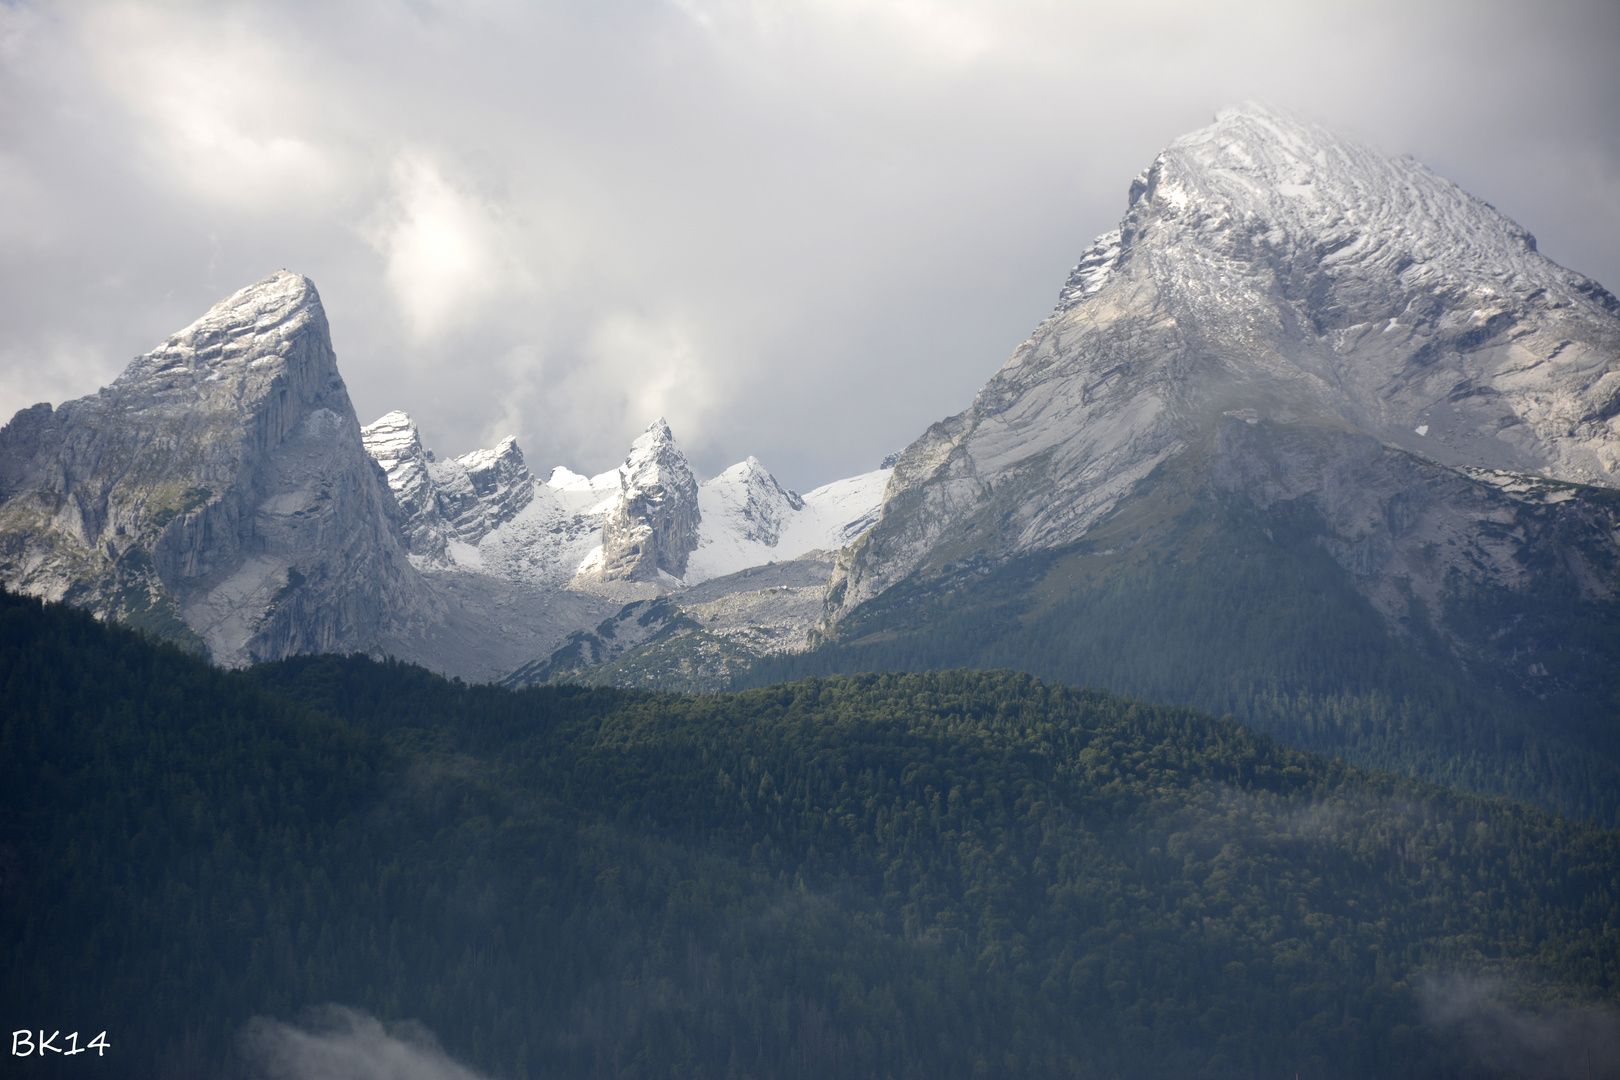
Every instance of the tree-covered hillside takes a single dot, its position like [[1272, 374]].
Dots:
[[958, 874], [1198, 598]]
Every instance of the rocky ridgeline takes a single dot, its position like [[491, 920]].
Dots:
[[221, 493], [635, 523], [1283, 319], [463, 499], [217, 493]]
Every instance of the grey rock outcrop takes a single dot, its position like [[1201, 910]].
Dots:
[[1266, 272], [465, 498], [654, 526], [393, 442], [217, 493], [483, 490]]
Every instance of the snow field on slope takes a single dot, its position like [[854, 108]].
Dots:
[[833, 515]]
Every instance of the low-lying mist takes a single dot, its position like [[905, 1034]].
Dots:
[[339, 1043]]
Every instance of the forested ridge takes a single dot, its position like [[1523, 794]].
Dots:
[[926, 875], [1187, 598]]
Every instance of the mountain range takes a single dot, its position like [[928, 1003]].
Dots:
[[222, 493], [1313, 437]]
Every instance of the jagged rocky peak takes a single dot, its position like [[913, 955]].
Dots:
[[462, 499], [482, 490], [750, 500], [394, 443], [493, 472], [653, 527], [1270, 268], [216, 493]]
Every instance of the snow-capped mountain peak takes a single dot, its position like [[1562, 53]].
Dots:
[[748, 496], [1268, 267], [654, 458], [750, 519], [1369, 214]]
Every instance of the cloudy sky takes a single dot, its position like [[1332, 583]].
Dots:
[[798, 230]]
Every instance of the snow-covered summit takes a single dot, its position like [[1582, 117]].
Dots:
[[1286, 185], [565, 479], [749, 519], [748, 494], [252, 324], [1362, 213]]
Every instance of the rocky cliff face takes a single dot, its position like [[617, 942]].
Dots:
[[481, 491], [654, 526], [393, 442], [217, 493], [1270, 275], [463, 499]]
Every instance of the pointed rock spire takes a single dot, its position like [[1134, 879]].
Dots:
[[217, 493], [654, 526], [394, 443]]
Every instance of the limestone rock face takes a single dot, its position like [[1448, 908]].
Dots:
[[216, 493], [653, 527], [463, 499], [393, 442], [1266, 273], [480, 491]]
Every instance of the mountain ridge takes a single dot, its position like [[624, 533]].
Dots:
[[1319, 360], [222, 493]]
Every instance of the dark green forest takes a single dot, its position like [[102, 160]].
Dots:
[[955, 874], [1188, 598]]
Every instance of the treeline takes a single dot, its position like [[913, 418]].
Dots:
[[958, 874]]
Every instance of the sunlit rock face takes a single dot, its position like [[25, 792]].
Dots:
[[654, 526], [394, 443], [216, 493], [463, 499], [1268, 274]]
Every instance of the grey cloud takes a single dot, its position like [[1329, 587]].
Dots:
[[799, 230], [340, 1043]]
